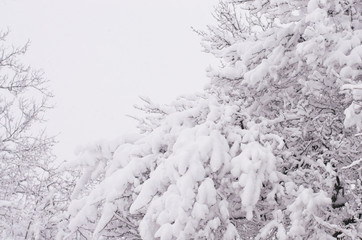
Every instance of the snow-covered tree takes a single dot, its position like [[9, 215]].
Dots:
[[32, 191], [270, 150]]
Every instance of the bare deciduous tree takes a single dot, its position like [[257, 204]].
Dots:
[[30, 194]]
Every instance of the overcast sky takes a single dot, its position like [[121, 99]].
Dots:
[[100, 55]]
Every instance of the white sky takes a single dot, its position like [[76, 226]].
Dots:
[[100, 55]]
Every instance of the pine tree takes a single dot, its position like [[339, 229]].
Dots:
[[270, 150]]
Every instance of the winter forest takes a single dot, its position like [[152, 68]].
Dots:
[[271, 149]]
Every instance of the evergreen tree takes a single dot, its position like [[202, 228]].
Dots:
[[270, 150]]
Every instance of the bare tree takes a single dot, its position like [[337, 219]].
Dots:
[[29, 181]]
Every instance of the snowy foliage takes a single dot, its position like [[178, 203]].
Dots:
[[270, 150]]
